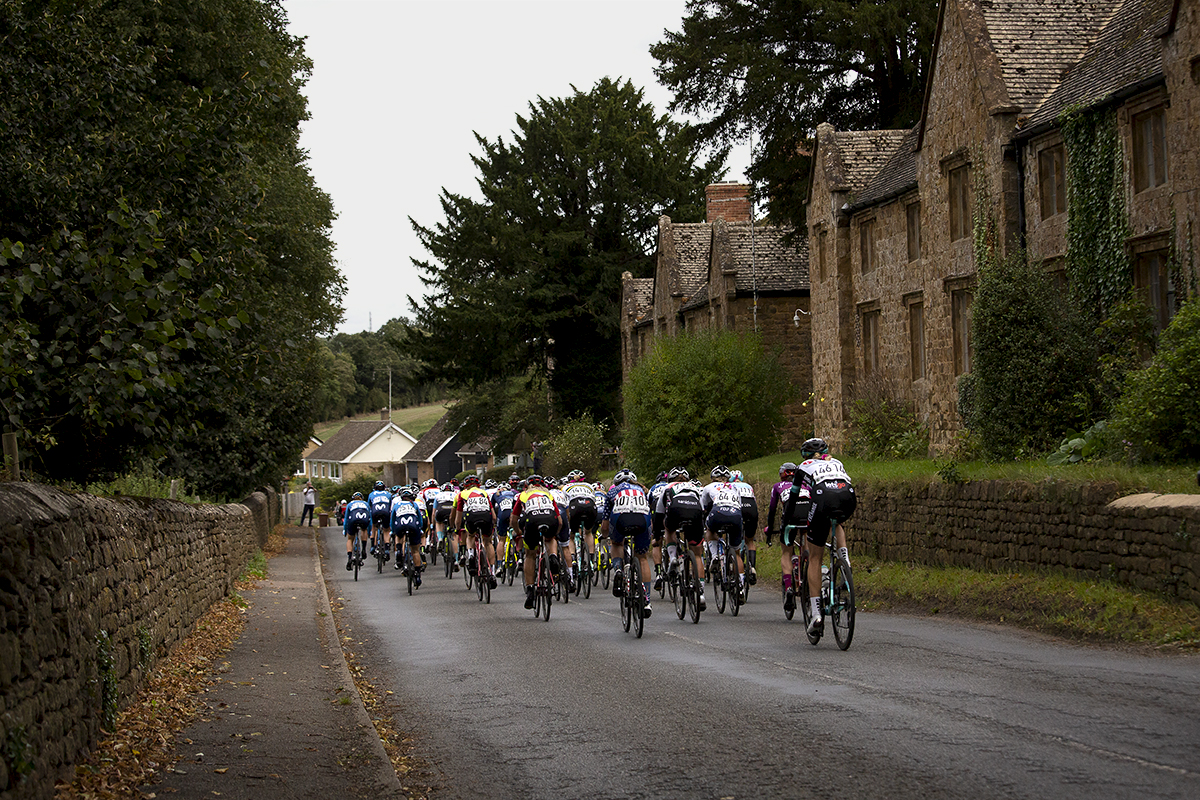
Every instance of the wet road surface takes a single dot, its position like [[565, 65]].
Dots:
[[505, 705]]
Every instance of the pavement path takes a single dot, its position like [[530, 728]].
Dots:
[[282, 718]]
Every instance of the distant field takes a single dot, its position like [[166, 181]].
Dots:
[[416, 420]]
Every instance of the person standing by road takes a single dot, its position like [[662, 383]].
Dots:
[[310, 504]]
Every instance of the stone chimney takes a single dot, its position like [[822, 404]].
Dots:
[[728, 201]]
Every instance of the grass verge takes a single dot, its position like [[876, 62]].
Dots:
[[1086, 610]]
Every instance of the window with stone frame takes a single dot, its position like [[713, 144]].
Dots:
[[1149, 149], [960, 321], [916, 338], [1152, 281], [866, 245], [870, 338], [960, 202], [1052, 180], [912, 213]]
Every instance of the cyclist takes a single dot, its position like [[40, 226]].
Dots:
[[473, 512], [657, 531], [790, 523], [537, 514], [722, 504], [628, 517], [581, 512], [380, 502], [408, 521], [749, 523], [683, 518], [564, 529], [358, 519], [443, 504], [833, 500]]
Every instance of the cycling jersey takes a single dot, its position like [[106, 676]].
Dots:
[[380, 502], [408, 519], [682, 512], [581, 506], [474, 510], [564, 509], [749, 507], [357, 517], [722, 503], [794, 510], [628, 515], [533, 509], [443, 504], [833, 498], [502, 503]]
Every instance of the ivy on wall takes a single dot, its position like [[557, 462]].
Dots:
[[1098, 268]]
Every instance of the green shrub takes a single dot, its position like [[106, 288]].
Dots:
[[701, 398], [882, 426], [576, 445], [1158, 415], [1125, 341], [1034, 367]]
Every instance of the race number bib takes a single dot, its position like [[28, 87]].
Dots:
[[629, 501]]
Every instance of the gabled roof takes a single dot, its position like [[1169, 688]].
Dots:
[[897, 176], [762, 258], [693, 248], [483, 445], [432, 442], [1126, 53], [698, 300], [640, 297], [353, 436]]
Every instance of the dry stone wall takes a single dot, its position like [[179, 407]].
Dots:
[[73, 566], [1148, 541]]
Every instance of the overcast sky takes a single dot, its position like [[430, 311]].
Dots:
[[398, 86]]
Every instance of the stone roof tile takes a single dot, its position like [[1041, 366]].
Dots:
[[693, 246], [853, 157], [896, 176], [1124, 53], [766, 260]]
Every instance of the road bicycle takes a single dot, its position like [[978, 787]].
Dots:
[[512, 561], [468, 571], [478, 564], [723, 575], [410, 567], [837, 594], [357, 556], [684, 586], [584, 571], [381, 552], [543, 580], [604, 561], [633, 599], [447, 555]]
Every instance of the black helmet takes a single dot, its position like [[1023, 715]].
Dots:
[[720, 473], [407, 493], [536, 480], [679, 474], [786, 470], [357, 496], [380, 486], [814, 446]]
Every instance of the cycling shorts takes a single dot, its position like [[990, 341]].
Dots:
[[532, 527], [413, 532], [687, 521], [359, 520], [832, 501], [749, 521], [502, 520], [657, 525], [442, 514], [633, 526], [583, 515], [479, 522], [725, 522], [381, 519]]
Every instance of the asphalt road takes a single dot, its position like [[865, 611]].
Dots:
[[504, 705]]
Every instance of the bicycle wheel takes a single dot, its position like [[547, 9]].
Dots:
[[679, 586], [585, 577], [485, 590], [433, 553], [604, 562], [410, 568], [466, 570], [379, 551], [841, 601], [626, 605], [547, 580], [802, 598], [447, 561], [717, 581], [795, 592], [733, 588], [357, 552], [638, 609], [692, 587]]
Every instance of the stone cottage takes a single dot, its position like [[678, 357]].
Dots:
[[892, 236], [728, 273]]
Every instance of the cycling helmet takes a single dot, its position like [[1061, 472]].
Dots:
[[737, 475], [720, 473], [429, 484], [407, 493], [576, 475], [551, 483], [396, 489], [470, 481], [536, 480], [514, 479], [786, 471], [678, 474], [522, 485], [814, 446], [380, 486], [447, 487], [489, 484], [662, 476], [357, 496]]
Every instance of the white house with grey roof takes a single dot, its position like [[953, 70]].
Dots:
[[361, 446]]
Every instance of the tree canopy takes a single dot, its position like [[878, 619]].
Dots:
[[164, 253], [779, 68], [529, 276]]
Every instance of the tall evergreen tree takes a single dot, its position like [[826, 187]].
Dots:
[[779, 68], [529, 276]]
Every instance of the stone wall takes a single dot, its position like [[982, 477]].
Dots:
[[74, 565], [1148, 541]]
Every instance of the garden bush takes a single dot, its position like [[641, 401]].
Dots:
[[883, 426]]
